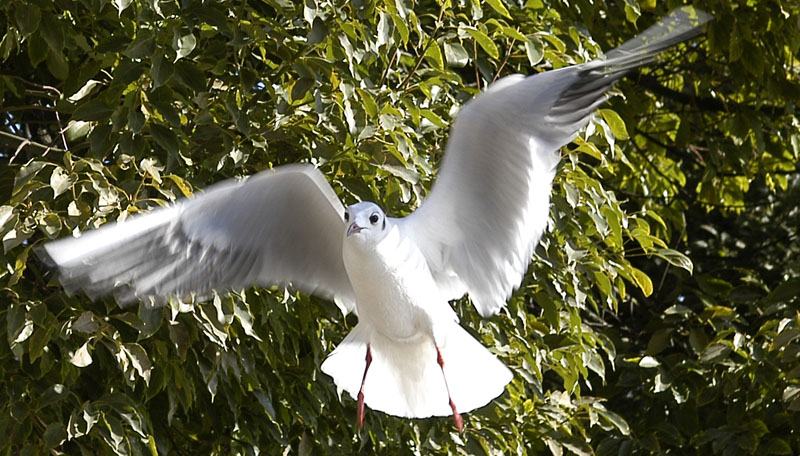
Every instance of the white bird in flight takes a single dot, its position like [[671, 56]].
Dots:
[[476, 232]]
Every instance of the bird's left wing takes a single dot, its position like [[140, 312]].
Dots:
[[275, 228], [490, 202]]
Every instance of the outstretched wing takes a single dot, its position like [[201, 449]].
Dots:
[[490, 203], [277, 227]]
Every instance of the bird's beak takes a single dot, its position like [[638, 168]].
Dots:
[[354, 229]]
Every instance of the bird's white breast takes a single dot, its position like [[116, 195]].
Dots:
[[394, 290]]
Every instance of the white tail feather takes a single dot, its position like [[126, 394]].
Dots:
[[405, 379]]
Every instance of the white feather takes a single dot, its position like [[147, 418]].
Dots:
[[404, 379], [490, 203], [404, 318]]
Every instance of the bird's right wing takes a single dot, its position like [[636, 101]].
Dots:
[[275, 228], [490, 202]]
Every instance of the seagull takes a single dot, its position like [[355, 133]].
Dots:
[[474, 234]]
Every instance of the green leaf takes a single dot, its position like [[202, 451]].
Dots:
[[184, 186], [81, 357], [121, 5], [436, 120], [484, 42], [161, 70], [455, 54], [498, 6], [615, 122], [164, 137], [785, 292], [40, 338], [184, 46], [139, 360], [534, 49], [774, 446], [83, 91], [85, 323], [642, 281], [617, 421], [384, 29], [38, 50], [54, 435], [632, 12], [57, 65], [786, 336], [675, 258], [318, 31], [434, 55], [190, 76], [370, 106], [53, 395], [401, 27], [101, 140], [53, 33], [27, 17], [513, 34], [152, 167], [61, 181], [713, 285], [142, 47], [714, 353], [167, 111], [94, 109], [7, 45]]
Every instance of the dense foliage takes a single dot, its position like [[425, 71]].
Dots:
[[660, 314]]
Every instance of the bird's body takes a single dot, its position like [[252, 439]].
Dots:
[[405, 319], [393, 286], [475, 234]]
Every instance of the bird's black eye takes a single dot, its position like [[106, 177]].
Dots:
[[346, 216], [373, 218]]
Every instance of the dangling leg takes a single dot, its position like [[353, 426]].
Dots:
[[360, 412], [456, 416]]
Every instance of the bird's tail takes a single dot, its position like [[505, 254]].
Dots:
[[405, 379]]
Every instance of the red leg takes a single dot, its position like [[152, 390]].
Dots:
[[360, 412], [456, 416]]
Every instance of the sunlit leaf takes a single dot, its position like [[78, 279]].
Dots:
[[184, 46], [81, 357], [434, 54], [455, 54], [498, 6], [484, 42], [615, 122], [676, 258]]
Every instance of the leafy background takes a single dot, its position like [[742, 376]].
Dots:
[[660, 314]]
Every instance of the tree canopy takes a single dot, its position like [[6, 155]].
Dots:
[[660, 314]]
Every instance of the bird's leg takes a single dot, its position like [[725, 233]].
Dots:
[[360, 412], [456, 416]]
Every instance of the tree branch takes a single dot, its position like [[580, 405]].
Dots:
[[26, 142], [707, 104]]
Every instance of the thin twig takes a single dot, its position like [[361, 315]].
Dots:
[[33, 84], [505, 60], [475, 53], [58, 117], [25, 142], [388, 67], [27, 108], [431, 38]]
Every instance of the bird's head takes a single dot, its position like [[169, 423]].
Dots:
[[365, 222]]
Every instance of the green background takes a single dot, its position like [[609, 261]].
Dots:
[[660, 313]]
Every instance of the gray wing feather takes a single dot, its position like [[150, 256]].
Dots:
[[490, 203], [275, 228]]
